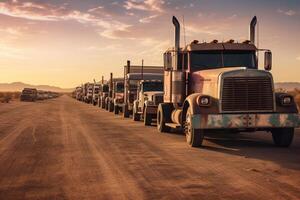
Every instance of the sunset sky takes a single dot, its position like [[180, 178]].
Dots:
[[68, 42]]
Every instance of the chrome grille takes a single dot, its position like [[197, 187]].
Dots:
[[247, 94], [158, 99]]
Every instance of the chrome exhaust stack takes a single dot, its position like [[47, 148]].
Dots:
[[177, 39], [252, 30]]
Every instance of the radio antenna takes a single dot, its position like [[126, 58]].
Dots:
[[184, 36], [257, 45], [142, 69]]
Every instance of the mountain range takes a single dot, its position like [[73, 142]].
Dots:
[[288, 86], [18, 86]]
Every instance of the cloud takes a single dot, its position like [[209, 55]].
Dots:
[[147, 19], [47, 12], [11, 52], [147, 5], [287, 12]]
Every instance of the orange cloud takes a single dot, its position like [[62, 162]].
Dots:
[[148, 5]]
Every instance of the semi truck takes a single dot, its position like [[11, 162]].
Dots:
[[78, 93], [218, 86], [96, 91], [29, 94], [115, 98], [103, 93], [87, 96], [149, 96], [133, 74]]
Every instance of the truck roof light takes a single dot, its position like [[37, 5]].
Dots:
[[246, 42], [214, 41], [230, 41]]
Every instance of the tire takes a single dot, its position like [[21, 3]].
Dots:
[[116, 110], [194, 137], [283, 137], [136, 117], [110, 107], [163, 117], [103, 106], [125, 111], [147, 119]]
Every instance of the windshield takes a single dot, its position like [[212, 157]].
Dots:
[[120, 87], [132, 87], [96, 90], [105, 88], [153, 86], [216, 59], [28, 92]]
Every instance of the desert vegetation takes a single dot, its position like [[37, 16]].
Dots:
[[6, 97]]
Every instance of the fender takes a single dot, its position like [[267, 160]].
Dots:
[[135, 106], [191, 101]]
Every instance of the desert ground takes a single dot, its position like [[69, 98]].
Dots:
[[65, 149]]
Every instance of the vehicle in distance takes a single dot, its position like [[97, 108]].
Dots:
[[95, 96], [29, 94], [103, 93]]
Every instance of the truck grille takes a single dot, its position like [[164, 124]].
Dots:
[[158, 99], [247, 94]]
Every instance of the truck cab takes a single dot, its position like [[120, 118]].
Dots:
[[218, 86], [150, 95], [29, 94], [115, 97], [104, 89], [96, 91], [118, 96], [133, 74]]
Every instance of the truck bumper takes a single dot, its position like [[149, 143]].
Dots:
[[151, 110], [241, 121]]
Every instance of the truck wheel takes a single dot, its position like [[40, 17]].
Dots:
[[283, 137], [194, 137], [125, 111], [147, 119], [163, 113], [136, 117], [110, 107], [116, 110]]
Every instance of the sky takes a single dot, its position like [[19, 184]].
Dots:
[[68, 42]]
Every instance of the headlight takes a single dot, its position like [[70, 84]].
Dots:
[[204, 101], [150, 103], [286, 100]]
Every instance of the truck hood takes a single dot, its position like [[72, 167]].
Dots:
[[208, 81], [119, 95], [154, 93]]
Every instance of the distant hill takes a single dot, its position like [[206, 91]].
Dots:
[[18, 86], [288, 86]]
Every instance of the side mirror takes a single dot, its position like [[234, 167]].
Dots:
[[268, 60], [167, 61]]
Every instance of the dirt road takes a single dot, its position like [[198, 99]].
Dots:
[[64, 149]]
